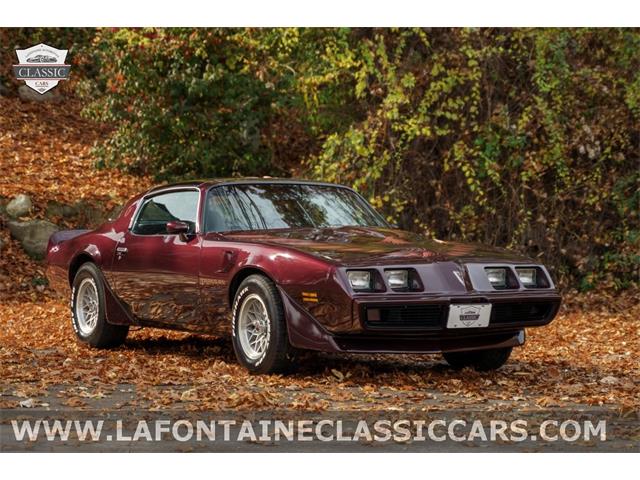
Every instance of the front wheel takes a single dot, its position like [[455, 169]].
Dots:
[[259, 330], [481, 360], [88, 310]]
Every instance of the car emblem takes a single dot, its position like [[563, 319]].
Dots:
[[469, 315], [41, 67]]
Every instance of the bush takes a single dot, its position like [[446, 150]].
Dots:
[[182, 103], [524, 138], [520, 138]]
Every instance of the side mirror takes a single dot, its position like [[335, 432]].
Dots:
[[177, 227]]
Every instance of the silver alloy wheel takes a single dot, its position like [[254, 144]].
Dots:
[[254, 327], [87, 306]]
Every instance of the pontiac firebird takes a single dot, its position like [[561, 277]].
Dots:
[[283, 266]]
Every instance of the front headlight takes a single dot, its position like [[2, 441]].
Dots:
[[397, 279], [359, 279], [527, 276], [497, 277]]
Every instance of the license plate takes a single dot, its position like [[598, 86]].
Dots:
[[475, 315]]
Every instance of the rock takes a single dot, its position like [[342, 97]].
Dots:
[[19, 206], [55, 209], [33, 235], [68, 211], [27, 94], [84, 215], [91, 216], [609, 380], [28, 403]]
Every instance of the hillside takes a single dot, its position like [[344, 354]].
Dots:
[[45, 152]]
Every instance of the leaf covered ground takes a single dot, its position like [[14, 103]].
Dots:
[[587, 357], [584, 358], [45, 152]]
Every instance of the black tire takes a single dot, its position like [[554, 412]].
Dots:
[[481, 360], [279, 354], [103, 334]]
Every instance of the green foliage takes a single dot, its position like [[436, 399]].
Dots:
[[183, 102], [524, 138]]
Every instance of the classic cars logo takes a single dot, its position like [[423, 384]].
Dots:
[[41, 67], [469, 315]]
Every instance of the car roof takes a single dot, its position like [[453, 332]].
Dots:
[[206, 183]]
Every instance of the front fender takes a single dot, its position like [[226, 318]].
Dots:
[[310, 289], [304, 331]]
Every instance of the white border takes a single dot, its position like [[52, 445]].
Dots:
[[263, 13], [278, 13], [521, 466]]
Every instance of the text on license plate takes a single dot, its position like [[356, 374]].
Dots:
[[473, 315]]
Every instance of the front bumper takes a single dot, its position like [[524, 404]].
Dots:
[[425, 314], [436, 343], [423, 326]]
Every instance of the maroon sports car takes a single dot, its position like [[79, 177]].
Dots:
[[284, 265]]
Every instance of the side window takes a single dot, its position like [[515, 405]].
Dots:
[[167, 207]]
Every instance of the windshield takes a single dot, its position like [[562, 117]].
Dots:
[[271, 206]]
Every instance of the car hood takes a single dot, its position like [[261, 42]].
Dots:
[[359, 246]]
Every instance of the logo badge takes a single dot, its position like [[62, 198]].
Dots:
[[41, 67], [469, 315], [477, 315]]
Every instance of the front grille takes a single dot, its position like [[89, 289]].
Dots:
[[433, 316], [404, 316], [520, 312]]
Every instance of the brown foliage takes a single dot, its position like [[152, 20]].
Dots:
[[586, 357], [45, 151]]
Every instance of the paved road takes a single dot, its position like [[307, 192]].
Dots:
[[121, 414]]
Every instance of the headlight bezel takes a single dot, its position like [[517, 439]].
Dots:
[[378, 280], [510, 279], [540, 278], [502, 275], [355, 272], [402, 272], [526, 280]]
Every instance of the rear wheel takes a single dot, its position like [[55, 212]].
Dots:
[[88, 310], [481, 360], [259, 330]]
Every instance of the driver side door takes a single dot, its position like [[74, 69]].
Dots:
[[156, 272]]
